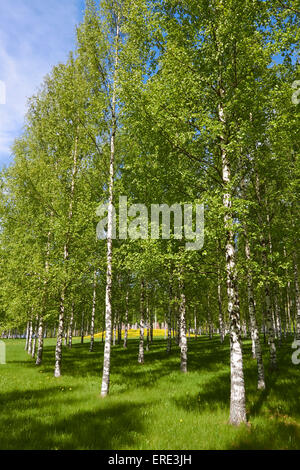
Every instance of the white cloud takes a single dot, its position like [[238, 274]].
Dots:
[[34, 36]]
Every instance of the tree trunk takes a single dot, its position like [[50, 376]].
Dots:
[[126, 321], [278, 318], [221, 321], [151, 325], [119, 329], [29, 350], [60, 331], [40, 342], [195, 323], [115, 331], [108, 306], [183, 339], [148, 322], [27, 335], [141, 343], [210, 323], [66, 336], [41, 321], [237, 395], [169, 342], [288, 308], [93, 312], [82, 329], [254, 330], [34, 339], [297, 296], [71, 326], [268, 316]]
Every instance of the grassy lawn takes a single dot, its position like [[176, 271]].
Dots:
[[151, 406]]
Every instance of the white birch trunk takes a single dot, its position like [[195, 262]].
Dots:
[[278, 318], [126, 321], [148, 323], [41, 321], [151, 326], [169, 342], [40, 342], [108, 306], [141, 343], [82, 329], [70, 336], [237, 394], [27, 335], [115, 332], [60, 331], [297, 296], [195, 323], [93, 312], [29, 350], [183, 339], [34, 338], [288, 307], [254, 330], [268, 317], [221, 321]]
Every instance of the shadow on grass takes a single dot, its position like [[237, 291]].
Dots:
[[108, 426], [116, 423]]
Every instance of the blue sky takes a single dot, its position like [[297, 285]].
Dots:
[[34, 36]]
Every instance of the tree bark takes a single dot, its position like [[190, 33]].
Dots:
[[93, 312], [268, 316], [34, 338], [221, 320], [27, 335], [40, 342], [297, 296], [82, 329], [182, 320], [126, 321], [29, 350], [210, 323], [41, 321], [60, 331], [254, 330], [141, 343], [108, 294], [169, 342], [237, 394], [148, 323], [151, 324], [71, 327]]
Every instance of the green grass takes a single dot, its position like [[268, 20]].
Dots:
[[151, 406]]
